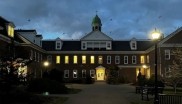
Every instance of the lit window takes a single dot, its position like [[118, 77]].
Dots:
[[75, 59], [92, 59], [83, 59], [125, 59], [108, 59], [10, 31], [167, 54], [66, 60], [117, 59], [49, 58], [100, 60], [92, 73], [66, 73], [84, 73], [142, 59], [58, 58], [134, 59], [75, 73], [148, 59]]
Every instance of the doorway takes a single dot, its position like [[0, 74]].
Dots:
[[100, 73]]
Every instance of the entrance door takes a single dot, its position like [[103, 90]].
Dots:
[[100, 72]]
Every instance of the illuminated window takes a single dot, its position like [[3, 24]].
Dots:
[[142, 59], [83, 59], [100, 60], [92, 59], [117, 59], [66, 60], [49, 58], [133, 59], [108, 59], [92, 73], [75, 73], [148, 59], [125, 59], [10, 31], [167, 54], [58, 58], [84, 73], [75, 59], [66, 73]]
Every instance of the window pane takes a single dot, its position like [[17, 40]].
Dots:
[[92, 73], [92, 59], [83, 73], [100, 60], [66, 73], [75, 59], [83, 59], [142, 59], [75, 73], [66, 59], [58, 59]]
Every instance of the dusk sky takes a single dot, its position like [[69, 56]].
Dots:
[[71, 19]]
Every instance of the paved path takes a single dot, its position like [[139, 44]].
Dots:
[[101, 93]]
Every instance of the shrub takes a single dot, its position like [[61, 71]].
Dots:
[[46, 85], [56, 75]]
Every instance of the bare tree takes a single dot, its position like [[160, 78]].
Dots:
[[175, 73]]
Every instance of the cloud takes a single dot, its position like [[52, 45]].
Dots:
[[121, 19]]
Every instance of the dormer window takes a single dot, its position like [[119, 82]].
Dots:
[[84, 46], [133, 44], [58, 44], [10, 31], [108, 45]]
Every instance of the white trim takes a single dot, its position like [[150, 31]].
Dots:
[[117, 59], [66, 72], [167, 54], [92, 71], [96, 52], [75, 73], [108, 59], [134, 59], [125, 58]]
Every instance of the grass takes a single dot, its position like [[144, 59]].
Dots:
[[53, 100], [170, 90]]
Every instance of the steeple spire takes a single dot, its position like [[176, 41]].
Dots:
[[96, 23]]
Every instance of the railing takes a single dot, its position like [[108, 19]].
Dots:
[[170, 99]]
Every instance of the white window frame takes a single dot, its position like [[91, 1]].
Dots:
[[84, 73], [117, 59], [84, 45], [108, 59], [108, 45], [134, 59], [57, 48], [125, 59], [66, 73], [133, 45], [167, 54], [92, 73], [75, 73]]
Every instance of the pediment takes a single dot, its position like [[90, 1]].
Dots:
[[96, 35]]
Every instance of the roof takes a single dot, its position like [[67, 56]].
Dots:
[[20, 30], [116, 46], [96, 20]]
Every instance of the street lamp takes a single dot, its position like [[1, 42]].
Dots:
[[46, 63], [155, 36]]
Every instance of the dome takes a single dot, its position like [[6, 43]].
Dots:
[[96, 20]]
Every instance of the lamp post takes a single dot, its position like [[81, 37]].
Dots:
[[46, 63], [156, 36]]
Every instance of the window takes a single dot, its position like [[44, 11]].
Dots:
[[167, 54], [125, 59], [108, 45], [84, 47], [133, 44], [58, 44], [58, 58], [92, 59], [75, 73], [117, 59], [108, 59], [148, 59], [49, 58], [10, 31], [134, 59], [84, 73], [100, 59], [66, 59], [66, 73], [83, 59], [142, 59], [92, 73], [75, 59]]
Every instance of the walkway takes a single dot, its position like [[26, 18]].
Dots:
[[101, 93]]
